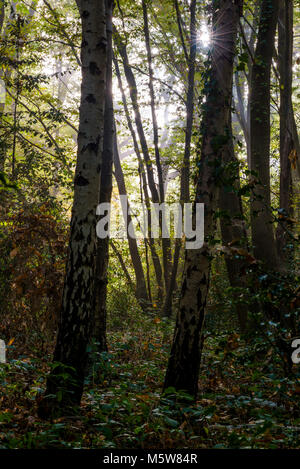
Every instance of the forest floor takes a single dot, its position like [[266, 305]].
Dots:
[[244, 399]]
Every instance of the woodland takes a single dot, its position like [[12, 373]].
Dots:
[[140, 342]]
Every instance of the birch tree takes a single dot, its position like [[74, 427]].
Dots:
[[65, 381]]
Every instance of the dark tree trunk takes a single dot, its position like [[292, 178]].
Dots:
[[7, 71], [123, 265], [183, 367], [263, 240], [285, 55], [65, 381]]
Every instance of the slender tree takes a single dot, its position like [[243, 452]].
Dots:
[[288, 145], [155, 194], [100, 291], [166, 245], [263, 239]]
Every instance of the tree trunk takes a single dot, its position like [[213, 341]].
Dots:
[[123, 265], [285, 55], [183, 367], [6, 73], [102, 260], [65, 381], [263, 240]]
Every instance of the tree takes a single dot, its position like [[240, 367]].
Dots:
[[183, 366], [65, 381], [289, 144], [100, 291], [263, 239]]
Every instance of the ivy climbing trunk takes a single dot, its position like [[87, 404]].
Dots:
[[183, 367], [65, 381]]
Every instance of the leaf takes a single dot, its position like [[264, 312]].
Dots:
[[143, 397], [173, 423], [13, 253], [11, 342]]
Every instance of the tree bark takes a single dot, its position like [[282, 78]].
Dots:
[[65, 381], [183, 367], [285, 56], [263, 240], [102, 260]]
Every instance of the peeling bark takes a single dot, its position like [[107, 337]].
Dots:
[[65, 381]]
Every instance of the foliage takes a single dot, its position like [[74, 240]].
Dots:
[[246, 402]]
